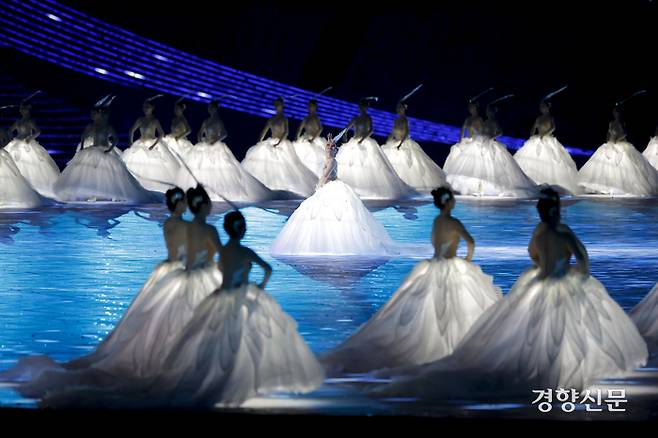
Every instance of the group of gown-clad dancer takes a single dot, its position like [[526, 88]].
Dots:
[[276, 168], [200, 334]]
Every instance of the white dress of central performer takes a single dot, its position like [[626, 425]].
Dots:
[[32, 159], [545, 160], [556, 328], [333, 221], [214, 165], [645, 316], [408, 159], [97, 172], [149, 158], [481, 166], [651, 152], [427, 316], [617, 168], [239, 343], [274, 161], [364, 167]]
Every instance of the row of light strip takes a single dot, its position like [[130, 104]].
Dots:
[[56, 33]]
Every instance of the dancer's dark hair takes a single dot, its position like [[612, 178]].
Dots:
[[196, 198], [174, 196], [442, 196], [235, 224]]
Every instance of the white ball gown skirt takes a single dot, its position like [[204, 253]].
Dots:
[[651, 152], [333, 221], [279, 168], [93, 175], [178, 147], [215, 166], [483, 167], [138, 345], [239, 344], [312, 153], [645, 316], [618, 169], [423, 321], [557, 332], [36, 165], [413, 165], [367, 170], [15, 190], [546, 161], [156, 168]]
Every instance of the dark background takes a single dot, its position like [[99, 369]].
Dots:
[[603, 51]]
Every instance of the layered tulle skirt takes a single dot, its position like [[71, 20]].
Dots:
[[618, 169], [215, 166], [546, 161], [15, 190], [334, 221], [483, 167], [279, 167], [645, 316], [556, 332], [651, 152], [93, 175], [156, 168], [413, 165], [423, 321], [312, 153], [35, 164], [367, 170]]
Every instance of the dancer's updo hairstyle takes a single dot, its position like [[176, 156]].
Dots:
[[548, 206], [235, 224], [442, 196], [174, 196], [197, 197]]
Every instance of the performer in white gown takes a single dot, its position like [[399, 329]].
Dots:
[[364, 167], [177, 141], [239, 343], [617, 168], [406, 156], [333, 221], [149, 158], [274, 161], [96, 172], [309, 144], [645, 316], [139, 343], [543, 158], [482, 166], [651, 152], [15, 190], [556, 328], [430, 312], [32, 159], [213, 163]]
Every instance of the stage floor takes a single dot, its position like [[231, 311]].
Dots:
[[68, 274]]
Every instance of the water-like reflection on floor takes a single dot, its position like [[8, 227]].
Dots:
[[68, 274]]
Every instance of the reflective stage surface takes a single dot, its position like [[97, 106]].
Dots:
[[68, 274]]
